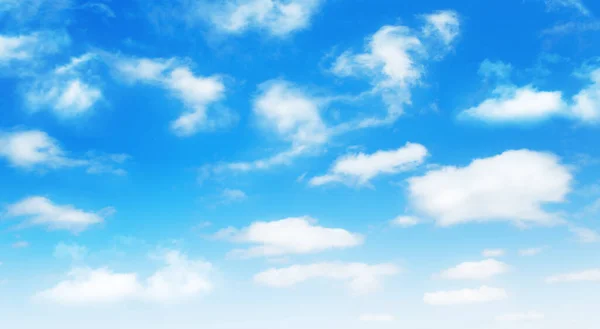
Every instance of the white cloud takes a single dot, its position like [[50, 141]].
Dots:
[[199, 94], [391, 62], [40, 211], [585, 235], [394, 58], [520, 317], [64, 90], [530, 251], [31, 148], [493, 253], [483, 294], [518, 104], [360, 168], [291, 113], [34, 149], [512, 186], [277, 17], [361, 278], [87, 285], [445, 23], [405, 221], [592, 275], [179, 279], [482, 270], [574, 4], [586, 103], [509, 103], [289, 236], [27, 47], [376, 317]]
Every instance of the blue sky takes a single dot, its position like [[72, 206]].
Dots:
[[248, 164]]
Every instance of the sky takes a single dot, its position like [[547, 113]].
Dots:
[[268, 164]]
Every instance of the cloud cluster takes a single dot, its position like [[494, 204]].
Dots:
[[199, 94], [296, 235], [484, 294], [179, 279], [512, 186], [35, 150], [394, 59], [359, 169], [40, 211]]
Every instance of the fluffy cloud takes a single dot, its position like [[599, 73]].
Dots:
[[361, 278], [291, 113], [483, 270], [405, 221], [179, 279], [483, 294], [277, 17], [27, 47], [65, 90], [199, 94], [289, 236], [518, 104], [40, 211], [520, 317], [394, 57], [592, 275], [445, 23], [586, 104], [493, 253], [512, 186], [34, 149], [509, 103], [379, 317], [360, 168]]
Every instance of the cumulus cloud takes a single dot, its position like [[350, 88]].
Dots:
[[518, 104], [512, 186], [509, 103], [394, 59], [483, 294], [360, 169], [296, 235], [586, 103], [405, 221], [493, 253], [180, 279], [482, 270], [361, 278], [201, 95], [233, 195], [40, 211], [34, 149], [279, 18], [592, 275]]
